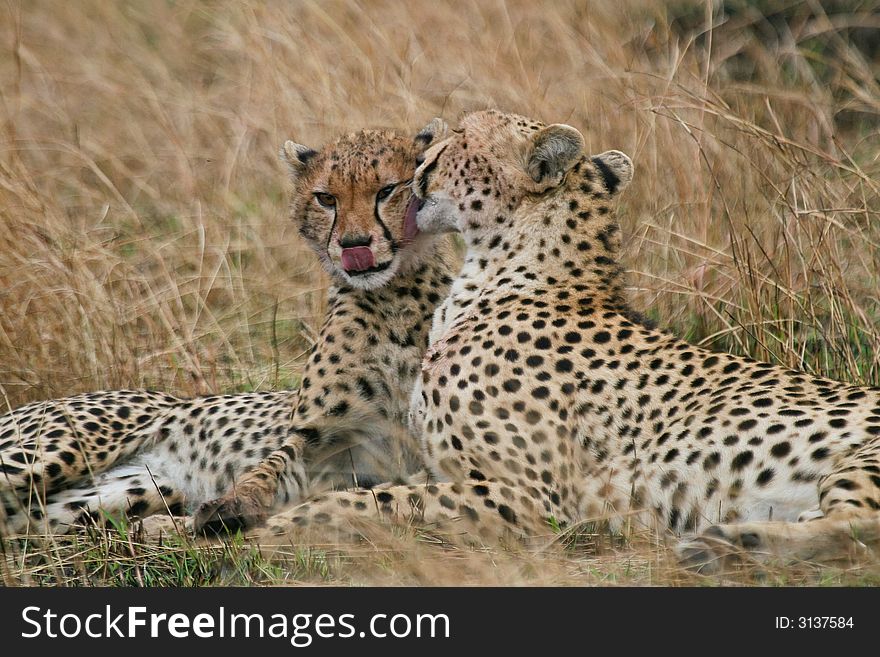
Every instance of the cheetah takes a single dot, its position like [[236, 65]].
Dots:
[[544, 402], [140, 452], [356, 388]]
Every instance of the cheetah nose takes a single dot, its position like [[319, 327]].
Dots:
[[349, 240], [358, 258]]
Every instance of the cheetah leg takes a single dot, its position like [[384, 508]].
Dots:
[[471, 512], [127, 490], [824, 540], [849, 526], [282, 477], [248, 503]]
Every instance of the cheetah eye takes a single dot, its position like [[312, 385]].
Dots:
[[325, 200], [385, 192]]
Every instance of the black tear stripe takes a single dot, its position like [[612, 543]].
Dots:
[[332, 228], [423, 183], [611, 179], [385, 231]]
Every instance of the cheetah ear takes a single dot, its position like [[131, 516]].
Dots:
[[432, 133], [551, 152], [296, 156], [615, 168]]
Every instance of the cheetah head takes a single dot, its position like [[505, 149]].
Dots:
[[353, 204], [476, 178]]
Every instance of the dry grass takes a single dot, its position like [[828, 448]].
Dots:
[[586, 556], [143, 238]]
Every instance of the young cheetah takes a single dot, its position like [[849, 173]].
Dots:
[[141, 453], [355, 391], [541, 399]]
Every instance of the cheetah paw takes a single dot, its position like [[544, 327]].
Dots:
[[228, 515], [716, 549]]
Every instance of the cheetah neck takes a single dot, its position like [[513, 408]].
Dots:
[[566, 242]]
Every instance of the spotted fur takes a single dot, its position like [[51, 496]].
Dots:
[[543, 400], [141, 453]]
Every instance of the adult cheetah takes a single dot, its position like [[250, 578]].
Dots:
[[541, 399], [141, 452]]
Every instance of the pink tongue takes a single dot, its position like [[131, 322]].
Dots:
[[410, 228], [357, 258]]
